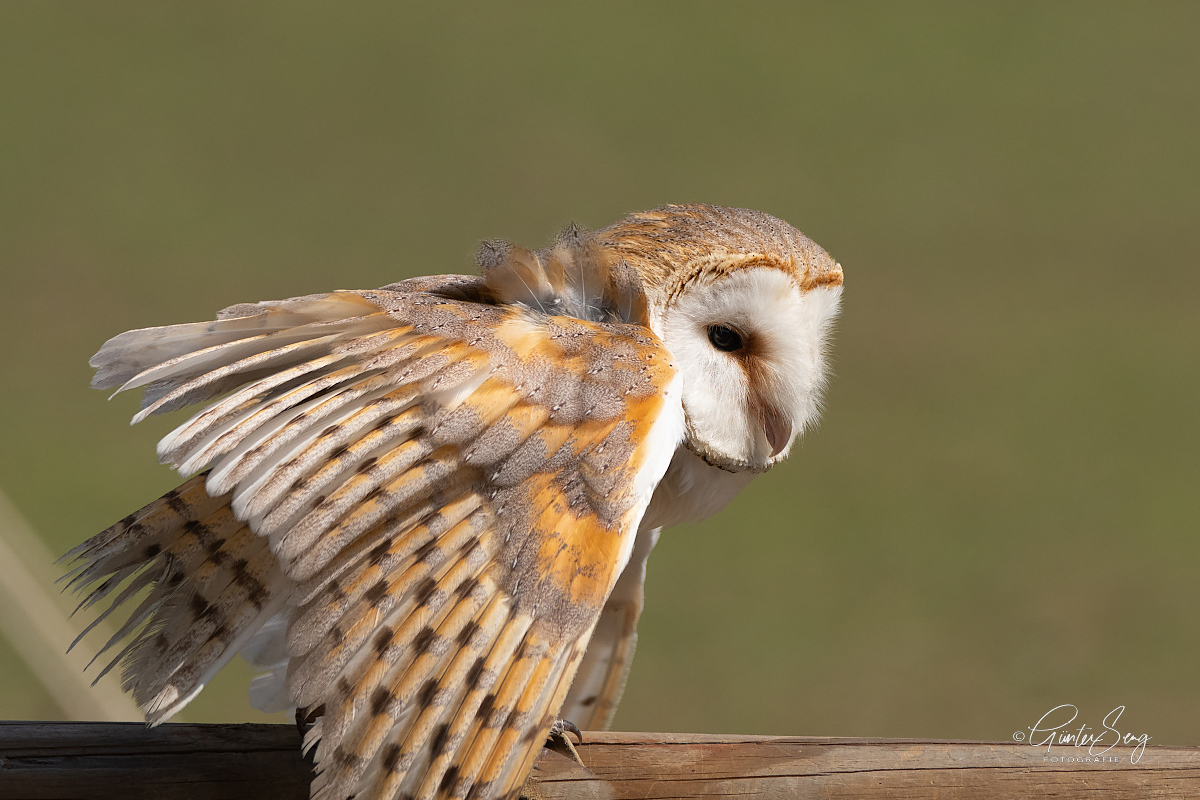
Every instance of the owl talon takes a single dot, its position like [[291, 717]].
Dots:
[[558, 741], [564, 726], [561, 743]]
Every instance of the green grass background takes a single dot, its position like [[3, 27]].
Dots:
[[999, 511]]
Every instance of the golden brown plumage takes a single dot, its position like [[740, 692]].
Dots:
[[416, 501]]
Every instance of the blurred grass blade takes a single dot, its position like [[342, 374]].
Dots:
[[35, 619]]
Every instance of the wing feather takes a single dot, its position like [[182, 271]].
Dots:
[[209, 384], [597, 689], [131, 353], [442, 491], [196, 437]]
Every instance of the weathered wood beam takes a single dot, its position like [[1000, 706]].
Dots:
[[649, 765], [128, 761]]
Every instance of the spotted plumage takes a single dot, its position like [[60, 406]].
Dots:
[[426, 509]]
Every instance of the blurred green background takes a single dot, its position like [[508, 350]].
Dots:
[[999, 512]]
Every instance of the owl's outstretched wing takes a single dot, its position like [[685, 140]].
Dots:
[[446, 490]]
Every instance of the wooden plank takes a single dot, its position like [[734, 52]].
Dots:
[[640, 765], [122, 760], [114, 760]]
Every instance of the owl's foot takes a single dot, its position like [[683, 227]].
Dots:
[[559, 742]]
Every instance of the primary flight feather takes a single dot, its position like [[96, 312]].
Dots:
[[426, 509]]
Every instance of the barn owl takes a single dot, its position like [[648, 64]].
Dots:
[[426, 509]]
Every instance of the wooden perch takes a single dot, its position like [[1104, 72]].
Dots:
[[128, 761]]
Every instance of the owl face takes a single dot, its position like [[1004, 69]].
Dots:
[[745, 303], [749, 345]]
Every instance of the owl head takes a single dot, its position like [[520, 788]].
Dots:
[[743, 301], [745, 304]]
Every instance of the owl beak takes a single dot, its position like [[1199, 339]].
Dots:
[[776, 426]]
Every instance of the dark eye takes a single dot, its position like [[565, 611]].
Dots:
[[724, 338]]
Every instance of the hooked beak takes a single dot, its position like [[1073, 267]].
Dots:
[[776, 426]]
